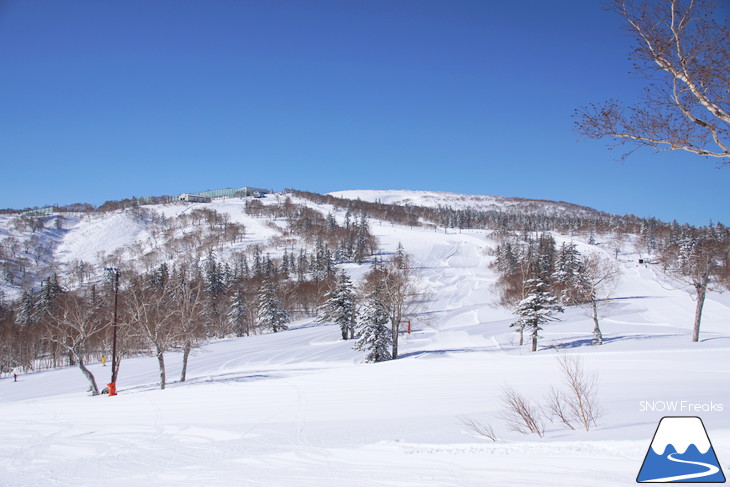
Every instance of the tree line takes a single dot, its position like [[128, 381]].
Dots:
[[179, 305], [537, 277]]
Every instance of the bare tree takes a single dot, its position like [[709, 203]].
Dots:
[[73, 325], [189, 299], [152, 316], [598, 279], [521, 414], [696, 260], [479, 428], [582, 396], [684, 50], [556, 404]]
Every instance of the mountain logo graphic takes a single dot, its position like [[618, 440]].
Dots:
[[681, 452]]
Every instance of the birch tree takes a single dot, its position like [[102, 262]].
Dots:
[[598, 277], [697, 261], [681, 47], [74, 324], [188, 298], [152, 317]]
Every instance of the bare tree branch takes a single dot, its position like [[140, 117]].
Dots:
[[681, 43]]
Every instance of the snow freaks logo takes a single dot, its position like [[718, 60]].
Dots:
[[681, 452]]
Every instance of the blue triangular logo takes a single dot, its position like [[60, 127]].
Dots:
[[681, 452]]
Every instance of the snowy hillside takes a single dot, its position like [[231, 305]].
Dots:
[[460, 201], [300, 408]]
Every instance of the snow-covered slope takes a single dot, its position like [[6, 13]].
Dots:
[[299, 408], [460, 201]]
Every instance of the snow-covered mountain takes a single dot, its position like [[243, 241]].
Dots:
[[457, 201], [78, 244], [301, 408]]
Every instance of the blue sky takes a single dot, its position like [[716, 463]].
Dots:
[[105, 100]]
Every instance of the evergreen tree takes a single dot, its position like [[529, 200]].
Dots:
[[535, 310], [160, 276], [244, 270], [546, 256], [362, 240], [565, 278], [50, 288], [331, 222], [269, 267], [271, 314], [238, 313], [285, 265], [321, 263], [257, 264], [214, 281], [215, 289], [227, 276], [341, 254], [348, 216], [27, 309], [340, 307], [302, 265], [375, 336], [400, 259]]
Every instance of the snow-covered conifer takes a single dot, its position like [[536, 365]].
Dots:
[[362, 240], [271, 314], [535, 310], [26, 310], [284, 267], [214, 282], [375, 336], [565, 277], [302, 266], [340, 306], [238, 313], [400, 258]]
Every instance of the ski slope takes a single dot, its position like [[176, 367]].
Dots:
[[299, 408]]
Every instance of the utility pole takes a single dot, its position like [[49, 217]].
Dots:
[[113, 385]]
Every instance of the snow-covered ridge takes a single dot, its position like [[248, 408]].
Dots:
[[460, 201]]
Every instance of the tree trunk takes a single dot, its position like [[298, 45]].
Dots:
[[701, 288], [534, 343], [597, 335], [394, 331], [89, 376], [522, 336], [161, 363], [186, 354]]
